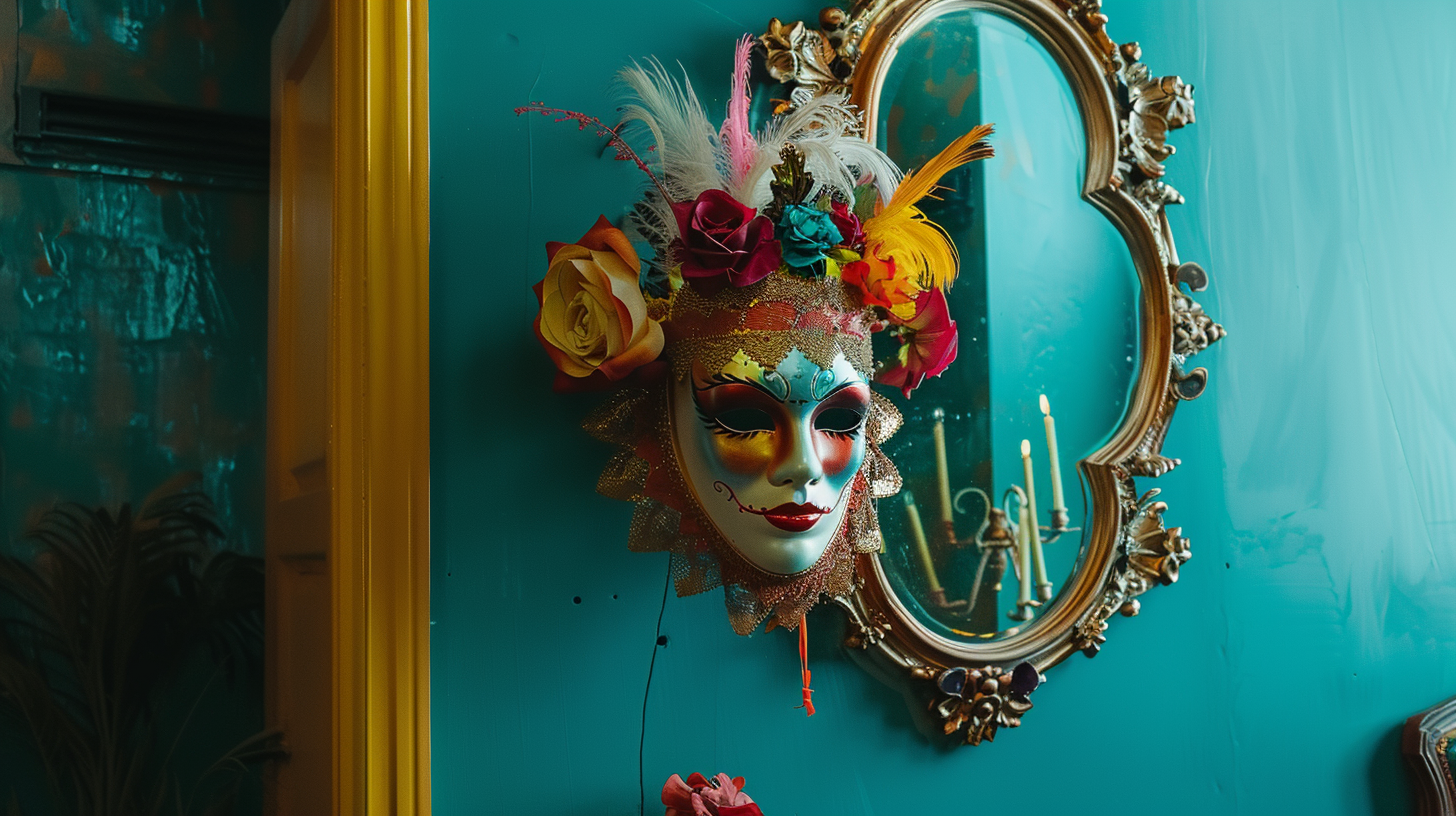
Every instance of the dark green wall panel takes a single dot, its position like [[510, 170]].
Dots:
[[133, 321], [133, 314], [1319, 609], [195, 53]]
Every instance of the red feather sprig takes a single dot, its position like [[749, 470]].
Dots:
[[613, 136]]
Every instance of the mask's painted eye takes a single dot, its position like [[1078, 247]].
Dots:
[[745, 420], [839, 420]]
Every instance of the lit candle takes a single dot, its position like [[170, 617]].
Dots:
[[942, 469], [917, 532], [1059, 503], [1043, 586]]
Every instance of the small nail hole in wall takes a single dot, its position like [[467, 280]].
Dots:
[[614, 596], [576, 600], [662, 640]]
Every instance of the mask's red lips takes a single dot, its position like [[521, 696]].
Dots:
[[789, 516], [794, 518]]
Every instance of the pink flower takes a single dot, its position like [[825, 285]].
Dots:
[[699, 797], [928, 343], [723, 237]]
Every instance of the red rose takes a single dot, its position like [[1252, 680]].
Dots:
[[928, 343], [851, 230], [722, 237]]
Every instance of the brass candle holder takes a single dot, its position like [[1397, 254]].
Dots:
[[996, 536]]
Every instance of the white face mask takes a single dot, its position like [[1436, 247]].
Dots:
[[770, 453]]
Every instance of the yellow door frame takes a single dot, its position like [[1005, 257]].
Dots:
[[375, 500], [382, 409]]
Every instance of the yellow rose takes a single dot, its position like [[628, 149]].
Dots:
[[593, 317]]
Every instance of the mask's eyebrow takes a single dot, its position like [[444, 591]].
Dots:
[[722, 378], [842, 386]]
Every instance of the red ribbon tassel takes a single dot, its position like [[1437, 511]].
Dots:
[[808, 705]]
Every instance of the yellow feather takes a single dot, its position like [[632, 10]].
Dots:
[[900, 230]]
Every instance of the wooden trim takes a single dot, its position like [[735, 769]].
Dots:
[[381, 415]]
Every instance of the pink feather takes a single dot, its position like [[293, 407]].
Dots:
[[736, 135]]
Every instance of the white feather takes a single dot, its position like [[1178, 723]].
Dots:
[[690, 157], [687, 154], [827, 130], [655, 223]]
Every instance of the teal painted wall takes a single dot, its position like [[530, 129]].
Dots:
[[1319, 609]]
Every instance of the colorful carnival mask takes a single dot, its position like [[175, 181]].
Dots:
[[740, 355]]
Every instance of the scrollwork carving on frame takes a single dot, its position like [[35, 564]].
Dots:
[[1193, 330], [975, 703], [1130, 113], [870, 625], [1087, 14], [1149, 554], [1426, 742], [818, 61]]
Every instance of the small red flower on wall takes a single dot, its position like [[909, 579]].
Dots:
[[698, 796]]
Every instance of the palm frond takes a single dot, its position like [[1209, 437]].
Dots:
[[97, 629]]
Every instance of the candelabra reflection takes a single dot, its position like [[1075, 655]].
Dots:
[[1009, 534]]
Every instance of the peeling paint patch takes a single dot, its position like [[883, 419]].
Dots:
[[132, 344], [194, 53]]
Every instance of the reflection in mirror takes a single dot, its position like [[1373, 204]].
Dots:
[[1047, 309]]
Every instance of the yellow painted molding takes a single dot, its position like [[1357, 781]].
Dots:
[[381, 419]]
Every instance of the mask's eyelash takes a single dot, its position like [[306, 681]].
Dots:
[[720, 429], [857, 430]]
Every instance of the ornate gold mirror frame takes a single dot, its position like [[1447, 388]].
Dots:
[[973, 689], [1427, 744]]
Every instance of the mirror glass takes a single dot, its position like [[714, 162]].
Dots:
[[1046, 304]]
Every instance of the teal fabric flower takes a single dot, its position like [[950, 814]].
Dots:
[[805, 234]]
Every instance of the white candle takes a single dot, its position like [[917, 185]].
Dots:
[[1038, 563], [1023, 560], [1059, 503], [1057, 500], [917, 533], [942, 468]]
